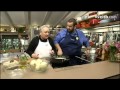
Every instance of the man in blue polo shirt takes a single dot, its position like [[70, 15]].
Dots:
[[69, 41]]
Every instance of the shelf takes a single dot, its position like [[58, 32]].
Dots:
[[99, 24], [11, 33], [103, 25], [11, 50], [107, 24]]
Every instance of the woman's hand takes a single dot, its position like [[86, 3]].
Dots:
[[36, 56], [52, 52]]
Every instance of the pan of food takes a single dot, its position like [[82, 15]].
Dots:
[[59, 59]]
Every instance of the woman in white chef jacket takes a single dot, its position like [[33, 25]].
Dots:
[[41, 46]]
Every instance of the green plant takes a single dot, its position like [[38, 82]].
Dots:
[[114, 49]]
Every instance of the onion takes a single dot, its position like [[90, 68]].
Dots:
[[33, 62]]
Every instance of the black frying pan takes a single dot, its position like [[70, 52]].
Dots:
[[59, 59]]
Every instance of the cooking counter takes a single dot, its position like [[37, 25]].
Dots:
[[98, 70]]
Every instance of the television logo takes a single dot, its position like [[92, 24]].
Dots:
[[106, 17]]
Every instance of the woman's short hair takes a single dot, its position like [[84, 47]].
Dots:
[[42, 27]]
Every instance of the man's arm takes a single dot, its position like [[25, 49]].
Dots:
[[53, 45], [56, 41], [86, 43], [59, 49]]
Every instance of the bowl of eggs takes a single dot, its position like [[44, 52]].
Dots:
[[38, 65]]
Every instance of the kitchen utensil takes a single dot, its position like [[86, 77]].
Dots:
[[59, 59], [83, 59]]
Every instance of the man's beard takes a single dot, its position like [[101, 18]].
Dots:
[[70, 31]]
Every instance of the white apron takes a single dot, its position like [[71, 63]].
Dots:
[[43, 49]]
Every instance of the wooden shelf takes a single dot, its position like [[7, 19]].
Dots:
[[11, 33], [11, 50]]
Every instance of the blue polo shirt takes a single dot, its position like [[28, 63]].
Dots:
[[61, 36]]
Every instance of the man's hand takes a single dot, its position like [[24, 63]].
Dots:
[[59, 53], [87, 52]]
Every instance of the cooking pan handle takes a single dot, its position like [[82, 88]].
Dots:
[[83, 59]]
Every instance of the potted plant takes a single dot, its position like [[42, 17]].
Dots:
[[114, 51], [20, 31]]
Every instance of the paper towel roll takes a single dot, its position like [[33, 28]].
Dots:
[[100, 39]]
